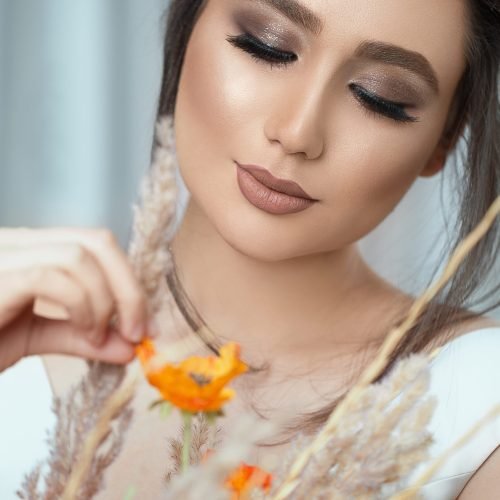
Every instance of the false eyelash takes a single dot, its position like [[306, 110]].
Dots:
[[272, 56], [372, 102], [261, 51]]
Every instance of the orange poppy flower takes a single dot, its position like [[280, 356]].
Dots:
[[245, 478], [197, 383]]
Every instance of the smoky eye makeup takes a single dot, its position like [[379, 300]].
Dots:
[[373, 103], [269, 43], [261, 51], [395, 88], [388, 95], [270, 30]]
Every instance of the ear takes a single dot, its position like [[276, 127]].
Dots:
[[453, 129], [437, 160]]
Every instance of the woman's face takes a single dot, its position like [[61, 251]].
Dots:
[[353, 112]]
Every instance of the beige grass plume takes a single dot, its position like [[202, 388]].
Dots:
[[331, 427], [205, 481], [377, 442], [93, 417]]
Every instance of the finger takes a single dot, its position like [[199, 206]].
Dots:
[[61, 337], [76, 261], [129, 297], [82, 265], [54, 285]]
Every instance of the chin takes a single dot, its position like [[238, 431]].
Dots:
[[257, 249], [266, 241]]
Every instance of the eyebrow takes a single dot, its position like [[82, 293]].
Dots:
[[297, 13], [397, 56], [374, 50]]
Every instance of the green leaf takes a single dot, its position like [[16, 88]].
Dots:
[[165, 407], [156, 403]]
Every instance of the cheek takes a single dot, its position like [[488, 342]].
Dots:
[[213, 109], [378, 170], [215, 96], [383, 158], [221, 101], [371, 172]]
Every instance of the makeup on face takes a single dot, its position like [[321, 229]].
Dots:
[[270, 194], [384, 78], [258, 88]]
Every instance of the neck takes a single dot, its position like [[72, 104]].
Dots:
[[291, 306]]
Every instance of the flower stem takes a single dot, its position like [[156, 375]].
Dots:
[[186, 446]]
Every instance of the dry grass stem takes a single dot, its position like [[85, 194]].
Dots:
[[378, 442], [200, 444], [117, 401], [205, 481], [155, 216], [84, 419], [392, 339], [111, 408], [149, 257], [410, 492]]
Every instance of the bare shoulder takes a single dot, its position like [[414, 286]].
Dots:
[[404, 301], [485, 482]]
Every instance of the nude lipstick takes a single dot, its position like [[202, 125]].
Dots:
[[273, 195]]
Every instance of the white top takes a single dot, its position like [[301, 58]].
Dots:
[[465, 377]]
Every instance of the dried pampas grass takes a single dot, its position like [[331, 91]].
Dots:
[[377, 442], [204, 438], [205, 481], [154, 218], [77, 415], [83, 444], [370, 443], [349, 402]]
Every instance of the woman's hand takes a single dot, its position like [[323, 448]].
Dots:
[[83, 272]]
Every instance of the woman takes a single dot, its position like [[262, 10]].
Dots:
[[299, 127]]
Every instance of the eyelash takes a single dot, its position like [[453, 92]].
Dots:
[[271, 56]]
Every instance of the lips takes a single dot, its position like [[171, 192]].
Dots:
[[281, 185], [270, 194]]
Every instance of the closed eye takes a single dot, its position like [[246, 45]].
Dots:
[[272, 56], [261, 51], [372, 102]]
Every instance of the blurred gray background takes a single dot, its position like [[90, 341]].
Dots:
[[78, 88]]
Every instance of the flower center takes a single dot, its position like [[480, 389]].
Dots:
[[200, 379]]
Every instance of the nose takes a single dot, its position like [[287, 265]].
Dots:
[[295, 122]]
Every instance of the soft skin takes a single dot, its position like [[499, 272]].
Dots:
[[293, 289], [302, 272], [302, 122]]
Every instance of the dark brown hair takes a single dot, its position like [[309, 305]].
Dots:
[[476, 126]]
